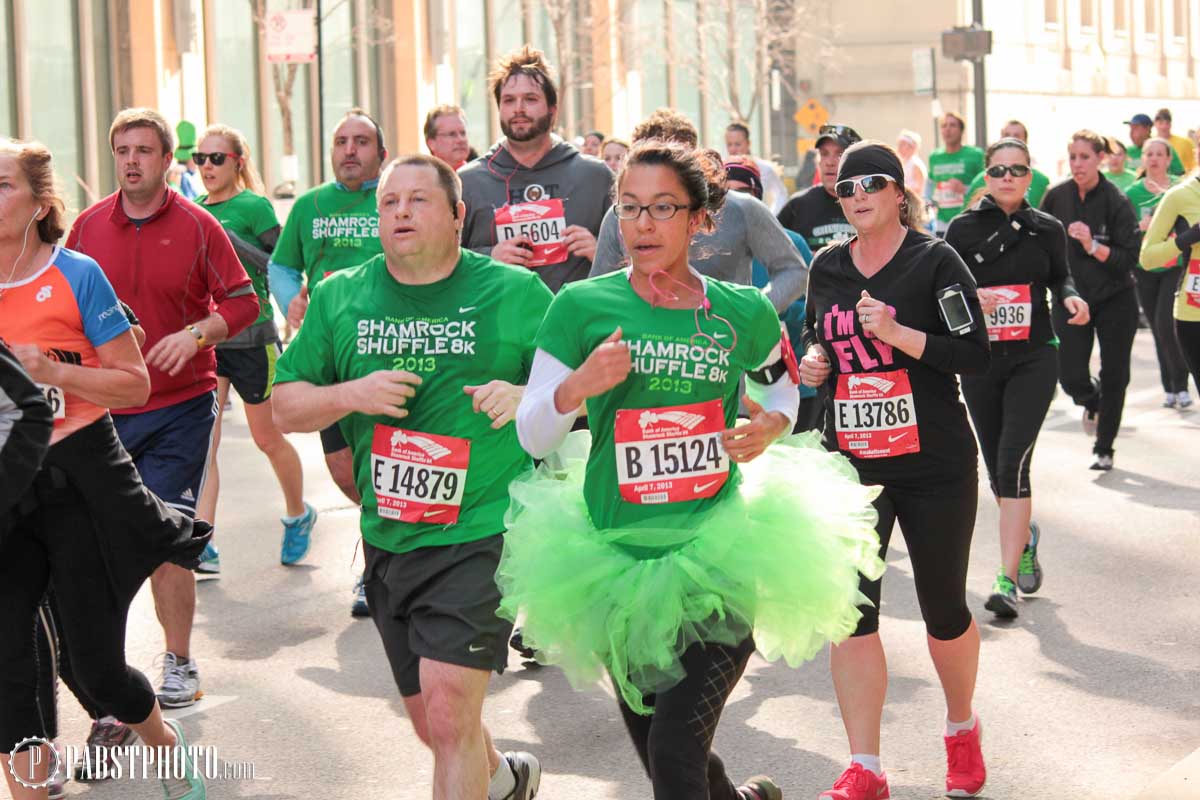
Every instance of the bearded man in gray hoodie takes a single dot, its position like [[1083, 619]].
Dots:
[[533, 200]]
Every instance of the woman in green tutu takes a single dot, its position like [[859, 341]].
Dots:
[[668, 557]]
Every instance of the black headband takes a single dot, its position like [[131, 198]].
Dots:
[[743, 173], [871, 158]]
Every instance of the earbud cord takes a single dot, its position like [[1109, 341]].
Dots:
[[24, 244]]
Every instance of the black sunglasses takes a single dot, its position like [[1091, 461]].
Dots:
[[869, 183], [1000, 170], [217, 158]]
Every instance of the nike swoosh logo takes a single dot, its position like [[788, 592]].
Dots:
[[700, 487], [720, 335], [435, 512], [898, 437], [465, 309], [476, 648]]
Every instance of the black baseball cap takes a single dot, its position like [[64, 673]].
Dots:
[[842, 134], [1139, 119]]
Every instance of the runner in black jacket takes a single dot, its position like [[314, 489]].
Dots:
[[25, 425], [1102, 253], [1016, 255], [876, 336]]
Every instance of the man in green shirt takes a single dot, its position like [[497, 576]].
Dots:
[[421, 354], [330, 228], [1140, 127], [1013, 129], [952, 167]]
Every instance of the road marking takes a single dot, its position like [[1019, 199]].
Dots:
[[206, 703]]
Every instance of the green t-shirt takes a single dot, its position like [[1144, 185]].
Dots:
[[963, 165], [248, 215], [328, 229], [1145, 201], [1133, 157], [668, 372], [1122, 180], [475, 326], [1037, 188]]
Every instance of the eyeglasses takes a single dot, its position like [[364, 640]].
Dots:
[[844, 133], [659, 211], [1000, 170], [869, 183], [217, 158]]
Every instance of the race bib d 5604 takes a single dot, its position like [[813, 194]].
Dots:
[[1009, 322], [418, 477], [543, 221], [671, 454], [874, 415], [1191, 283]]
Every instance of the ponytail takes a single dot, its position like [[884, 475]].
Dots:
[[248, 177], [912, 210]]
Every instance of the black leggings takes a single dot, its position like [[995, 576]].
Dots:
[[1188, 336], [675, 742], [1008, 406], [1157, 292], [57, 546], [1113, 324], [937, 522]]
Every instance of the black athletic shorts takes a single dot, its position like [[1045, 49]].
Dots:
[[438, 603], [251, 370]]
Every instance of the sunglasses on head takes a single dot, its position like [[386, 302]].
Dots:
[[217, 158], [869, 183], [1000, 170]]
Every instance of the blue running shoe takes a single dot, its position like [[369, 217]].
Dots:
[[210, 560], [359, 607], [297, 536], [1029, 574]]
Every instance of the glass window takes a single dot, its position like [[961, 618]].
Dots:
[[8, 116], [298, 119], [507, 23], [652, 58], [337, 58], [1180, 23], [687, 79], [236, 67], [53, 56], [1151, 16], [105, 110], [1087, 13], [472, 71], [1051, 11], [1120, 15]]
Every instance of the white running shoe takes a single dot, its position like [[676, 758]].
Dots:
[[179, 685]]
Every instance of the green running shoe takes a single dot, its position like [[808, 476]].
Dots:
[[1029, 573], [1003, 602]]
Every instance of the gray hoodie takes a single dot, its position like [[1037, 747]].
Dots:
[[746, 230], [583, 183]]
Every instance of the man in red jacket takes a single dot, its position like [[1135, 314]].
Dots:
[[171, 261]]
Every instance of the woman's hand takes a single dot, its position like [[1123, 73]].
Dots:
[[814, 367], [876, 318], [1080, 232], [988, 300], [608, 365], [747, 442], [1080, 314]]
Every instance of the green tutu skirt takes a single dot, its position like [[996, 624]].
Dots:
[[779, 559]]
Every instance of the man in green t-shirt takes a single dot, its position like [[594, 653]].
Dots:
[[1013, 129], [330, 228], [1140, 127], [421, 355], [952, 167]]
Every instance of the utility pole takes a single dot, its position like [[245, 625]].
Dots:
[[980, 82], [972, 43]]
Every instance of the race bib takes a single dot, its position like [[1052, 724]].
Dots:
[[418, 477], [1010, 321], [56, 398], [1191, 283], [544, 222], [946, 197], [671, 454], [874, 415]]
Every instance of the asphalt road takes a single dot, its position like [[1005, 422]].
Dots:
[[1092, 693]]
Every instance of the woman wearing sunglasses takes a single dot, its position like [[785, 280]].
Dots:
[[892, 317], [666, 567], [1016, 254], [1102, 251], [1156, 287], [247, 361]]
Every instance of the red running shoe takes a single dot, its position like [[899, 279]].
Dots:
[[858, 783], [965, 772]]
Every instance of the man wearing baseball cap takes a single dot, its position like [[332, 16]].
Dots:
[[1140, 128], [815, 213]]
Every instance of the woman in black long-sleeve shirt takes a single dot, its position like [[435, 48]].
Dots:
[[874, 332], [1016, 254], [1102, 253], [25, 425]]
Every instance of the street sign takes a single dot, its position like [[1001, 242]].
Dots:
[[922, 65], [811, 116], [966, 44], [291, 36]]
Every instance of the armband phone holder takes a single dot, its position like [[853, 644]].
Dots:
[[953, 308]]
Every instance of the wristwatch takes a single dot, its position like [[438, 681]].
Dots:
[[199, 334], [1093, 248]]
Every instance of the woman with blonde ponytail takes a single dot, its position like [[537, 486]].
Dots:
[[247, 361]]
